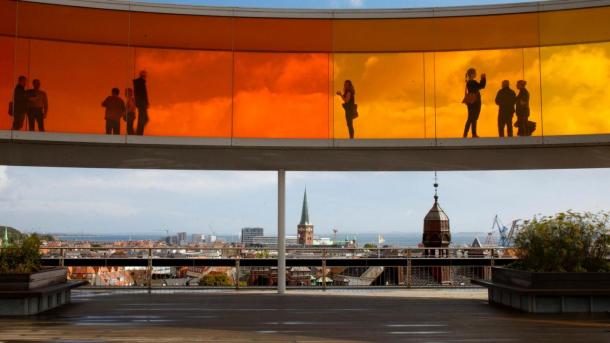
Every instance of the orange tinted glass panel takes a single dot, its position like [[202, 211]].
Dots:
[[281, 95], [389, 94], [7, 79], [8, 15], [67, 23], [181, 31], [576, 89], [283, 35], [189, 92], [451, 113], [575, 26], [77, 78]]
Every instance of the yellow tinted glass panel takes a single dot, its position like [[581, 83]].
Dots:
[[575, 26], [576, 89], [389, 94], [499, 65]]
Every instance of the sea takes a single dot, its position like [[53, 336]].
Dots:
[[389, 239]]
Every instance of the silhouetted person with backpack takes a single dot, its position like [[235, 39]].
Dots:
[[38, 106], [522, 108], [505, 99], [472, 99], [19, 106], [115, 110], [141, 95]]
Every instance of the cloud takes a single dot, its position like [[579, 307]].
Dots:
[[3, 177]]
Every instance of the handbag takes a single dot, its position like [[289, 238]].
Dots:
[[354, 113], [10, 108], [470, 98]]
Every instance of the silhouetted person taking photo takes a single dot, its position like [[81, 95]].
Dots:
[[19, 106], [349, 105], [472, 100], [115, 110], [522, 109], [505, 99], [38, 106], [130, 110], [141, 96]]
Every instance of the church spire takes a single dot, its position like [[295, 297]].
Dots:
[[305, 211], [435, 188]]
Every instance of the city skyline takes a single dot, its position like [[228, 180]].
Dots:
[[115, 201]]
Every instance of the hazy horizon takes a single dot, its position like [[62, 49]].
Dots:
[[121, 201]]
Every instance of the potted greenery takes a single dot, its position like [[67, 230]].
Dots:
[[563, 265], [20, 267]]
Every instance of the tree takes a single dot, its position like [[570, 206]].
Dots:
[[566, 242]]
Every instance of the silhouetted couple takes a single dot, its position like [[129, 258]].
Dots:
[[349, 105], [510, 103], [117, 109], [30, 103]]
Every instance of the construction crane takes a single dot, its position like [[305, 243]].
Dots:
[[506, 234]]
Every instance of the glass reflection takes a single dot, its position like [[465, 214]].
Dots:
[[188, 92], [576, 89], [281, 95], [390, 95]]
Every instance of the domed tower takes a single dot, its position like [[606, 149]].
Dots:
[[436, 225], [305, 228]]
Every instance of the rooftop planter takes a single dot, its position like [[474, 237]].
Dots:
[[27, 288], [563, 266]]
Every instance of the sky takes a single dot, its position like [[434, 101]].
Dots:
[[336, 3], [116, 201]]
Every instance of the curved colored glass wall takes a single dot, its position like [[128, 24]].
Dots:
[[245, 77]]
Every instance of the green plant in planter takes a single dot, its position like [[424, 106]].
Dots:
[[21, 258], [566, 242]]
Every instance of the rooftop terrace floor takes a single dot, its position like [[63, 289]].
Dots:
[[299, 316]]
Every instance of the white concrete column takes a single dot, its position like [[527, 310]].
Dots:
[[281, 231]]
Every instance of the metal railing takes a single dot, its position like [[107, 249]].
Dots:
[[238, 267]]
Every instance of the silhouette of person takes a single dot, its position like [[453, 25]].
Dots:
[[141, 96], [130, 110], [522, 109], [38, 106], [505, 99], [19, 106], [349, 105], [115, 110], [472, 99]]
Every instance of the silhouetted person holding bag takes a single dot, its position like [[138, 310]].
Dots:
[[141, 96], [472, 100], [38, 106], [505, 99], [349, 105], [19, 106], [115, 110], [130, 110], [522, 107]]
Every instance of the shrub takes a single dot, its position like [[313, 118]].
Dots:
[[22, 258], [215, 280], [566, 242]]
